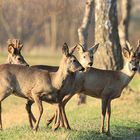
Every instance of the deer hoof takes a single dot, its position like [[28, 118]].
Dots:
[[102, 131], [48, 123], [55, 127], [108, 133]]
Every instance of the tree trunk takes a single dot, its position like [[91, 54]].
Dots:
[[47, 32], [19, 19], [72, 33], [53, 31], [4, 22], [125, 8], [106, 33], [83, 30], [83, 35]]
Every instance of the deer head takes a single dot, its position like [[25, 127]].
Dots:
[[87, 56], [132, 57], [14, 49], [70, 62]]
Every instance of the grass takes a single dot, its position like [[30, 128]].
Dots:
[[84, 120]]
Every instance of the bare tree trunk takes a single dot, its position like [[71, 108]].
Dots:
[[106, 33], [53, 31], [4, 22], [125, 8], [19, 19], [72, 33], [47, 32], [83, 30], [83, 35]]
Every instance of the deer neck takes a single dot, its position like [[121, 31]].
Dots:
[[60, 76], [127, 74], [9, 61]]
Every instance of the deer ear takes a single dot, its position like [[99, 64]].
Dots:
[[10, 49], [73, 49], [65, 49], [128, 45], [20, 47], [126, 52], [80, 48], [94, 48]]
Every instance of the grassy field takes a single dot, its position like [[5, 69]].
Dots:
[[84, 120]]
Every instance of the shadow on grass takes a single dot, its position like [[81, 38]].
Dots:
[[118, 132]]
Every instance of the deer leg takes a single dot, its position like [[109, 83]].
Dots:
[[54, 117], [64, 118], [50, 120], [104, 105], [57, 118], [108, 116], [63, 121], [30, 114], [81, 99], [2, 97], [40, 108], [0, 117]]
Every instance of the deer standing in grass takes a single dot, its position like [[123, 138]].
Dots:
[[38, 85], [106, 84], [15, 57], [86, 59]]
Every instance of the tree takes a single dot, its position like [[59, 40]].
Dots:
[[83, 35], [4, 22], [106, 33], [124, 10], [83, 30]]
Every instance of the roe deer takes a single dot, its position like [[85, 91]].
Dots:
[[105, 84], [14, 50], [38, 85], [86, 58]]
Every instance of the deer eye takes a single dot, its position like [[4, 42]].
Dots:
[[74, 60], [84, 56], [19, 58]]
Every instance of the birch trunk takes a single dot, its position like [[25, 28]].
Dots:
[[106, 33]]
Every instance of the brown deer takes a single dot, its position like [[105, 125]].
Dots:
[[86, 58], [105, 84], [39, 85], [14, 52]]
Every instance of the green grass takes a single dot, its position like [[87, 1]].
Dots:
[[84, 120]]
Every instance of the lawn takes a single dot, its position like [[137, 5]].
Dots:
[[84, 119]]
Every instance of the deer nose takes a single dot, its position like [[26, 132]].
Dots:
[[82, 69], [134, 69], [90, 64]]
